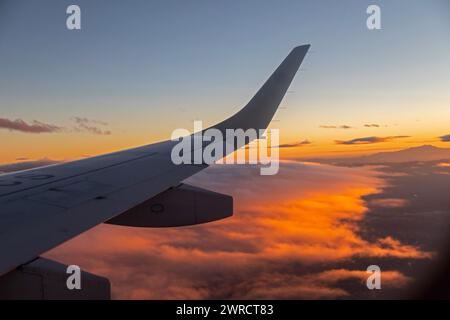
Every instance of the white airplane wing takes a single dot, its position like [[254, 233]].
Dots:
[[44, 207]]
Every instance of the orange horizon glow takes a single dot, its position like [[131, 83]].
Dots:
[[70, 144], [25, 147]]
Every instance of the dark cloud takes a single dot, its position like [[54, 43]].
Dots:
[[370, 140], [33, 127], [82, 125], [336, 127], [445, 138], [373, 125], [90, 126], [295, 144]]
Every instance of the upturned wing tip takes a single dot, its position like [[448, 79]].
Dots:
[[302, 48]]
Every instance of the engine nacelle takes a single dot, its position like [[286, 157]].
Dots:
[[47, 279], [180, 206]]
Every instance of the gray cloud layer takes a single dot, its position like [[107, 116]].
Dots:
[[81, 125]]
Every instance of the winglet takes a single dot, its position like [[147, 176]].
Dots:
[[258, 113]]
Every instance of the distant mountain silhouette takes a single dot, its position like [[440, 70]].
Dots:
[[422, 153]]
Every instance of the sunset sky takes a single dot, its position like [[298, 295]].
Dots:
[[135, 72], [140, 69]]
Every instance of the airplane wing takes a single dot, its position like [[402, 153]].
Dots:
[[44, 207]]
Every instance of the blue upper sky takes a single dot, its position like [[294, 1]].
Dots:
[[151, 65]]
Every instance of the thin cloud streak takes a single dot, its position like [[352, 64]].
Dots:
[[336, 127], [369, 140], [35, 126], [295, 144]]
